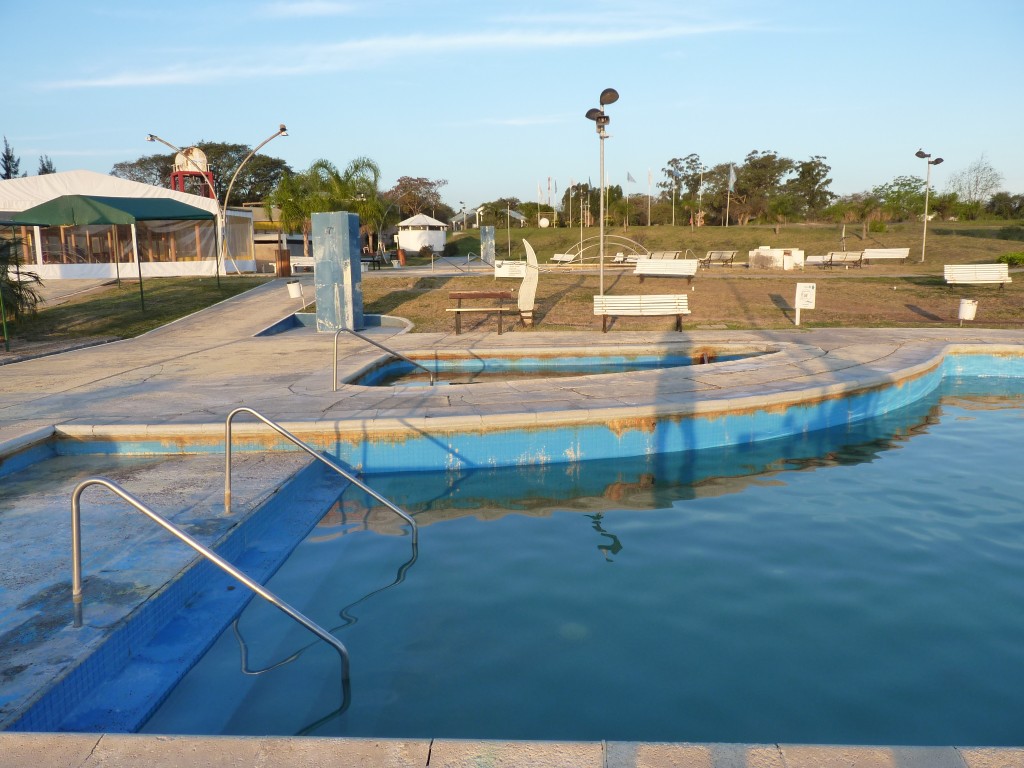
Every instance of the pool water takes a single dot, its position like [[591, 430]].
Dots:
[[857, 585], [483, 367]]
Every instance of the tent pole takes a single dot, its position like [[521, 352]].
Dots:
[[138, 260], [3, 315]]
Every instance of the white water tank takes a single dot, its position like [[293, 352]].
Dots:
[[191, 159]]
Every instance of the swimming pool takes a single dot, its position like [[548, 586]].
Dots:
[[849, 585], [471, 368]]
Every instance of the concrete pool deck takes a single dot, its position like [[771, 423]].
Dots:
[[178, 383]]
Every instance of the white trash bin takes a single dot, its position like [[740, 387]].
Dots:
[[968, 309], [295, 289]]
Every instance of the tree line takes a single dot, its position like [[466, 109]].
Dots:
[[765, 187]]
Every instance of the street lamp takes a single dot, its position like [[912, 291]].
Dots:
[[927, 186], [222, 209], [608, 96]]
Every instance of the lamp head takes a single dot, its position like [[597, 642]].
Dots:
[[608, 96], [936, 161], [593, 113], [921, 153], [282, 131], [150, 137]]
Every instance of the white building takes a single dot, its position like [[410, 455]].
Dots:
[[422, 230], [167, 248]]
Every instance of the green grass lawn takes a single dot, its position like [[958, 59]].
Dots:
[[113, 311], [948, 242]]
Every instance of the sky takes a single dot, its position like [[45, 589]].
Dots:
[[492, 96]]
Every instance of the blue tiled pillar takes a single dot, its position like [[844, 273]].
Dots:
[[337, 272], [487, 244]]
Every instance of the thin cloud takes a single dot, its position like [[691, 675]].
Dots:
[[355, 54]]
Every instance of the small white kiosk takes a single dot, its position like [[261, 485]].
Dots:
[[421, 230]]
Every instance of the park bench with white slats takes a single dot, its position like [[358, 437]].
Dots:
[[724, 258], [835, 258], [302, 262], [878, 254], [977, 274], [564, 258], [667, 268], [648, 305]]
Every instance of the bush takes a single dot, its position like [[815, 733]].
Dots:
[[877, 226], [1014, 259]]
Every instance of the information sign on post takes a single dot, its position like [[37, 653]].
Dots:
[[804, 298]]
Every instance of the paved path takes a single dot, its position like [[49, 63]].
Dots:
[[187, 376]]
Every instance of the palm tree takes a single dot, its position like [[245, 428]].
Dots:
[[355, 189], [298, 196], [18, 288], [323, 188]]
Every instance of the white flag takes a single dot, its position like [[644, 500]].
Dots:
[[732, 177], [629, 178]]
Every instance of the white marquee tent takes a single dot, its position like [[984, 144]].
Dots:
[[168, 248]]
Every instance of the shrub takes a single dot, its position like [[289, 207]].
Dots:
[[877, 226], [1014, 259]]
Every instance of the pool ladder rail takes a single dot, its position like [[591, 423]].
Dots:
[[217, 560], [399, 355]]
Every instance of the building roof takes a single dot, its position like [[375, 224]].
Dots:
[[421, 220], [19, 194]]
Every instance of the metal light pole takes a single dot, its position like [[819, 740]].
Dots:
[[927, 187], [608, 96], [222, 210]]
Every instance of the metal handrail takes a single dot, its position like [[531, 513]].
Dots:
[[315, 454], [689, 252], [399, 355], [224, 565]]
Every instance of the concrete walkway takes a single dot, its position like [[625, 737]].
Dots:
[[180, 382]]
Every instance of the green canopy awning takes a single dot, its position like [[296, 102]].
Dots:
[[80, 210]]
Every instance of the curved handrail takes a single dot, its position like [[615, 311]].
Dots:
[[315, 454], [399, 355], [224, 565], [578, 248]]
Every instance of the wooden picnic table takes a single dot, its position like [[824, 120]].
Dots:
[[500, 296]]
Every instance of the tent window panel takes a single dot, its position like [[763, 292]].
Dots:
[[170, 241], [239, 237]]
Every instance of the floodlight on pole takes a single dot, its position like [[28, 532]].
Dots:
[[222, 232], [927, 187], [608, 96]]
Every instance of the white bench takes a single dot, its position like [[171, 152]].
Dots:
[[302, 262], [663, 255], [725, 258], [977, 274], [834, 258], [563, 258], [647, 305], [667, 268], [877, 254]]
